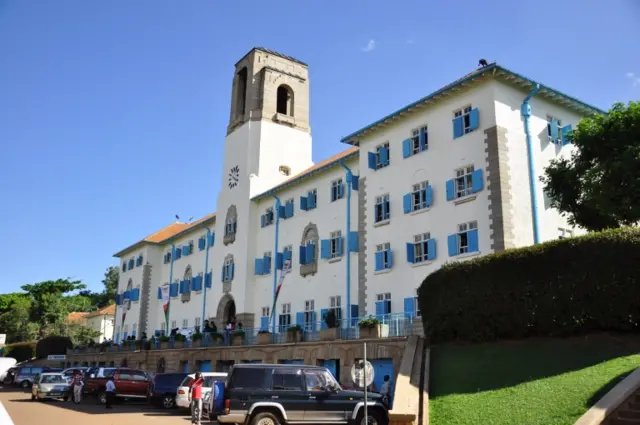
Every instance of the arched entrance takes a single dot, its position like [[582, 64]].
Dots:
[[226, 310]]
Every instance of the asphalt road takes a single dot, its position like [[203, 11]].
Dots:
[[23, 411]]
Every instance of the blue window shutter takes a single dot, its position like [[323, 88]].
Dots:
[[472, 239], [279, 260], [387, 307], [281, 212], [353, 241], [477, 181], [287, 255], [406, 203], [231, 266], [372, 160], [422, 140], [379, 261], [452, 242], [428, 196], [409, 307], [202, 243], [117, 299], [340, 239], [458, 127], [323, 313], [554, 130], [355, 182], [313, 318], [117, 341], [389, 258], [289, 209], [384, 156], [185, 250], [311, 201], [380, 308], [406, 148], [303, 203], [182, 287], [300, 318], [354, 313], [264, 323], [410, 253], [224, 273], [258, 266], [310, 253], [207, 280], [159, 293], [385, 210], [303, 254], [474, 119], [340, 190], [325, 248], [566, 134], [262, 220], [266, 265], [451, 190], [137, 294], [431, 249]]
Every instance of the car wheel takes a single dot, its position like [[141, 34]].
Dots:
[[265, 418], [102, 397], [25, 384], [169, 401], [376, 417], [65, 398]]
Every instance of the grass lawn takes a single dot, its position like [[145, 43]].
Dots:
[[530, 382]]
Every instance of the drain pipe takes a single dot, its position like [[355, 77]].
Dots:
[[349, 177], [525, 110], [168, 316], [276, 212], [206, 269]]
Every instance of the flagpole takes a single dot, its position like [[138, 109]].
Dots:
[[275, 268]]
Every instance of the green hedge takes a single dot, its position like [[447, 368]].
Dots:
[[20, 351], [566, 287], [53, 345]]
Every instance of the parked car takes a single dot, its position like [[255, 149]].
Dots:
[[182, 397], [281, 394], [68, 372], [130, 383], [26, 375], [50, 385], [164, 388]]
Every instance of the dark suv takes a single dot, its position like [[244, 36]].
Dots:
[[293, 394]]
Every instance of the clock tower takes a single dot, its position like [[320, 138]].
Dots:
[[268, 141]]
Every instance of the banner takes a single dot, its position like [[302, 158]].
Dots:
[[286, 269], [166, 297], [126, 305]]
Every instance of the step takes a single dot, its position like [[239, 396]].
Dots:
[[623, 421], [417, 363], [629, 413]]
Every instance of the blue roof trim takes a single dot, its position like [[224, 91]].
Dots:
[[296, 180], [349, 139]]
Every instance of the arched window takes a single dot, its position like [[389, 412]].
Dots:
[[186, 293], [241, 92], [230, 225], [284, 100], [309, 244]]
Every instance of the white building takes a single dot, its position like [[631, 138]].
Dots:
[[102, 321], [444, 179]]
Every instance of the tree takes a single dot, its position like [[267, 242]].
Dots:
[[7, 299], [110, 282], [16, 321], [598, 186]]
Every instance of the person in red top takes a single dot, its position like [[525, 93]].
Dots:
[[195, 397]]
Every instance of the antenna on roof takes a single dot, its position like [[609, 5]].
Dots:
[[190, 220], [177, 217]]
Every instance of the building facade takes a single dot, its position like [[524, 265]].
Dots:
[[452, 176]]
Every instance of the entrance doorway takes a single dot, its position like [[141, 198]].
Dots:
[[229, 311]]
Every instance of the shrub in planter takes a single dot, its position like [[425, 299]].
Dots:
[[369, 328], [264, 337], [331, 331], [196, 339], [294, 333], [164, 341]]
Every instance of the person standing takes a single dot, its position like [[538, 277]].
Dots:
[[385, 391], [77, 383], [110, 394], [195, 397]]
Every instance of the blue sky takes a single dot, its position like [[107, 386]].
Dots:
[[113, 114]]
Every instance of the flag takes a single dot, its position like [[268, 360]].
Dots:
[[286, 269], [165, 302]]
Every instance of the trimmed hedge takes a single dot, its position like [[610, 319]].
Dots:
[[21, 351], [566, 287], [53, 345]]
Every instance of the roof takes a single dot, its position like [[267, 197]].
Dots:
[[272, 52], [166, 233], [492, 71], [76, 316], [106, 311], [314, 169]]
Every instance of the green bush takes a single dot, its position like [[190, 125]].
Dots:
[[560, 288], [53, 345], [20, 351]]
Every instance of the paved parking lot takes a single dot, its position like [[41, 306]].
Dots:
[[23, 411]]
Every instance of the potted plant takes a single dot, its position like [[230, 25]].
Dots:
[[294, 334], [264, 337], [164, 342], [179, 340], [196, 340], [237, 337], [330, 332], [369, 328]]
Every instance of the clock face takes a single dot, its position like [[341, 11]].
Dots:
[[234, 176]]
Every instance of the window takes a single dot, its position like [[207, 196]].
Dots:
[[134, 329], [310, 201], [202, 243], [138, 376], [335, 304], [284, 100], [382, 155], [231, 226], [167, 257], [564, 233], [197, 322], [337, 190], [336, 244], [319, 380], [421, 248], [419, 196], [241, 91], [417, 305], [383, 304], [286, 210], [465, 121], [383, 256], [284, 170], [124, 266], [464, 181], [266, 311], [309, 309], [266, 219], [248, 378], [174, 324], [383, 297], [416, 145], [284, 320], [464, 240], [382, 212], [287, 380], [185, 323], [227, 269]]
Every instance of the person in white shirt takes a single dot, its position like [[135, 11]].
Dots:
[[386, 390], [111, 392]]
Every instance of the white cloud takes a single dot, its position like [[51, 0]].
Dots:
[[370, 46], [635, 79]]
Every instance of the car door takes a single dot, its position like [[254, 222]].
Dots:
[[323, 405], [287, 388], [124, 383], [139, 384]]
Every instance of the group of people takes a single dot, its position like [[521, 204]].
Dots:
[[77, 384]]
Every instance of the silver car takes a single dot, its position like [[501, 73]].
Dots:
[[50, 385]]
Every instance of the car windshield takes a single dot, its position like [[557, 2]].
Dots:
[[320, 379], [52, 379]]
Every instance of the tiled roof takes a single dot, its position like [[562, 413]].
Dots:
[[320, 166], [493, 70], [273, 52], [76, 317], [108, 310]]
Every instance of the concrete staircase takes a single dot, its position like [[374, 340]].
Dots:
[[628, 413], [411, 395], [620, 406]]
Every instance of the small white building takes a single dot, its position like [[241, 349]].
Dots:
[[450, 177], [103, 321]]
